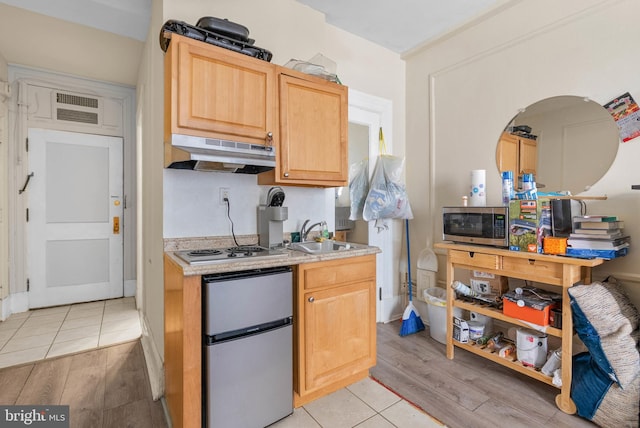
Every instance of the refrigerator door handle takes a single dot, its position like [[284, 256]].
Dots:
[[249, 331]]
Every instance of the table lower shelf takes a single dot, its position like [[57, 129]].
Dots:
[[509, 361], [497, 314]]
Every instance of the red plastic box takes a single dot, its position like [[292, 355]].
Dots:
[[525, 313], [535, 305]]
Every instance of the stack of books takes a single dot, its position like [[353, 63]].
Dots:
[[598, 236]]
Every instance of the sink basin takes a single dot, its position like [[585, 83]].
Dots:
[[328, 246]]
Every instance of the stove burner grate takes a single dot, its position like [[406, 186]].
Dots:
[[208, 252], [245, 249]]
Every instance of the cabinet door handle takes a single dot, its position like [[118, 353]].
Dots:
[[311, 299], [269, 138], [286, 174]]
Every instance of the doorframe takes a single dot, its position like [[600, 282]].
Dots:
[[20, 78], [375, 112]]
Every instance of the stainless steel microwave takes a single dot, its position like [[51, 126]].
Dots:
[[476, 225]]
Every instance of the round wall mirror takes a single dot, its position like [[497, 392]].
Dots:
[[567, 142]]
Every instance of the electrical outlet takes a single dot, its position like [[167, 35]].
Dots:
[[225, 193]]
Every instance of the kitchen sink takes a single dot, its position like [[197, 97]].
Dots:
[[327, 246]]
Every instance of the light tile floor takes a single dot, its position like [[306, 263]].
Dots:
[[365, 404], [51, 332]]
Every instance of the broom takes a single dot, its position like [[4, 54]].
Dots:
[[411, 322]]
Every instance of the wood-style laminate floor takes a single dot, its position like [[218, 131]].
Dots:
[[468, 391], [106, 387]]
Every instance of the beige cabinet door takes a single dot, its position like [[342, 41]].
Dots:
[[528, 158], [507, 154], [220, 94], [517, 154], [338, 334], [313, 132], [335, 325]]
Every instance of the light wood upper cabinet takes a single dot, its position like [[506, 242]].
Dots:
[[334, 327], [216, 93], [528, 156], [517, 154], [313, 144]]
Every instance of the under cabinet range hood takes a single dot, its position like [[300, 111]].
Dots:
[[209, 154]]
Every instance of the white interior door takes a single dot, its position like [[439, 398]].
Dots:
[[74, 225]]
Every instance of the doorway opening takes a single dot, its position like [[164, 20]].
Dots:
[[102, 116], [367, 114]]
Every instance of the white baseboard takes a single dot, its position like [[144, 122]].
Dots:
[[391, 309], [130, 286], [155, 365], [4, 308], [18, 302]]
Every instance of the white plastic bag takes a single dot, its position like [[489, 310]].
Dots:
[[358, 187], [387, 197]]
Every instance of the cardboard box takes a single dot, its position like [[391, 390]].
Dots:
[[484, 283], [532, 305], [529, 223], [460, 330]]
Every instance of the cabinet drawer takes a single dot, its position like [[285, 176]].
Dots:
[[537, 270], [477, 260], [344, 271]]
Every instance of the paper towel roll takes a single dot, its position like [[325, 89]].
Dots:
[[478, 193]]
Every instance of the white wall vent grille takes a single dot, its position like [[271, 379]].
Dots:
[[77, 116], [76, 100], [77, 108]]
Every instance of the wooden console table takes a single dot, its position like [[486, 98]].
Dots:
[[555, 270]]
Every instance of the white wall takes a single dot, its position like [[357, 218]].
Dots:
[[4, 200], [34, 40], [192, 204], [463, 89]]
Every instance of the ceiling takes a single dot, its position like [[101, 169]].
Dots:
[[129, 18], [398, 25]]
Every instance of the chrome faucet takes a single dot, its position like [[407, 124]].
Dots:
[[304, 231]]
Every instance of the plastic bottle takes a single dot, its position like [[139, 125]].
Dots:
[[507, 187], [527, 182], [463, 289], [325, 230]]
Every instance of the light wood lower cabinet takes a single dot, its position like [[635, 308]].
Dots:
[[334, 325], [334, 332], [182, 346]]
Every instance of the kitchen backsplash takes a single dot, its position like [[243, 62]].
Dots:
[[192, 204]]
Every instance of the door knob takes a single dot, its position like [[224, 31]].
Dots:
[[311, 299]]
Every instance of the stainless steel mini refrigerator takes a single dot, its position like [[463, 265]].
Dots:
[[248, 351]]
